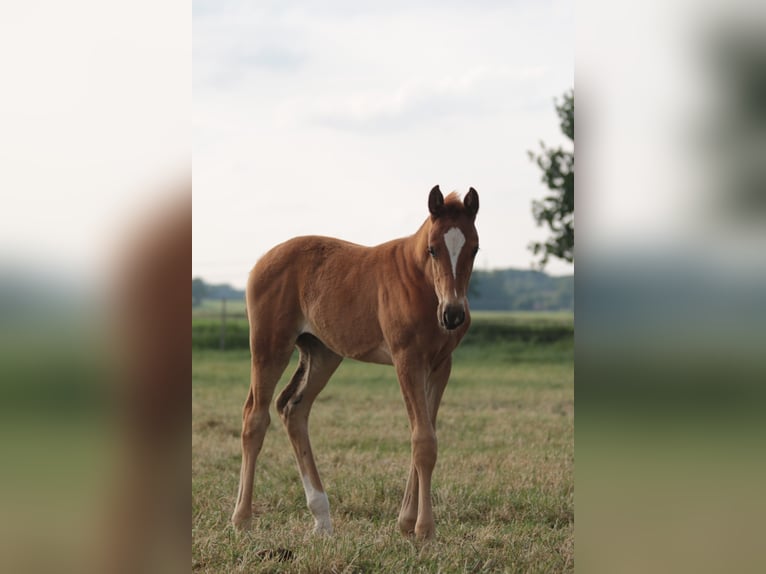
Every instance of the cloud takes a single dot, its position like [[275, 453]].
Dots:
[[276, 58], [293, 100], [236, 44], [479, 92]]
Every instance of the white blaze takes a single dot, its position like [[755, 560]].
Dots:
[[454, 240]]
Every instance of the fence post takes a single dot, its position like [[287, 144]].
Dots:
[[223, 324]]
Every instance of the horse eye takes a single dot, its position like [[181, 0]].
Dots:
[[431, 251], [475, 251]]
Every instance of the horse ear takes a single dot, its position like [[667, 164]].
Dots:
[[435, 202], [471, 202]]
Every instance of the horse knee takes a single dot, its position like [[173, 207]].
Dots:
[[255, 425], [424, 449]]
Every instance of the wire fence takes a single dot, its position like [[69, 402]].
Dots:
[[228, 325]]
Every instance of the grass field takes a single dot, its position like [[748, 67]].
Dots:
[[503, 484]]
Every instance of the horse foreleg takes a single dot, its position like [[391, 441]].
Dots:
[[412, 376], [435, 386], [410, 514]]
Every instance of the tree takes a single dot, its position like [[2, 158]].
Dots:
[[199, 291], [556, 210]]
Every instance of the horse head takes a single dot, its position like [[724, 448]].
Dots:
[[452, 246]]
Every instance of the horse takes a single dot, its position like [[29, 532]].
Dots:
[[402, 303]]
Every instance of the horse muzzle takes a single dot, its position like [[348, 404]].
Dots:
[[453, 316]]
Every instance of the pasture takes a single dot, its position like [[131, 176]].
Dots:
[[503, 485]]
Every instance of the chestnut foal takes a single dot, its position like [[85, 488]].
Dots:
[[402, 303]]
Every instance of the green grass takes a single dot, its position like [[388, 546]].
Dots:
[[503, 484]]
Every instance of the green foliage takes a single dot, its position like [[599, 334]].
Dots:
[[503, 328], [206, 333], [199, 291], [203, 290], [486, 328], [521, 290], [556, 210]]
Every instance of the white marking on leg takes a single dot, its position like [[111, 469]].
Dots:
[[319, 506], [454, 240]]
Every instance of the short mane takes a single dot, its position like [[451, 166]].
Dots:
[[453, 197], [453, 205]]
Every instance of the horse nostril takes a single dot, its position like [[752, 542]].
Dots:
[[453, 317]]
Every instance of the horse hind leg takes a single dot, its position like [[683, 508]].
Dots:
[[255, 421], [317, 364]]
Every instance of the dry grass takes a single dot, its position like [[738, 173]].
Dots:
[[503, 485]]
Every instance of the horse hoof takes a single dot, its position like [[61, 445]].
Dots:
[[425, 533], [322, 529], [241, 523], [406, 527]]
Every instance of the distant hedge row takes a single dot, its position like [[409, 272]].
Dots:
[[206, 332], [485, 332]]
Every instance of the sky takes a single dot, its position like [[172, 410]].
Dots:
[[337, 118], [95, 128]]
